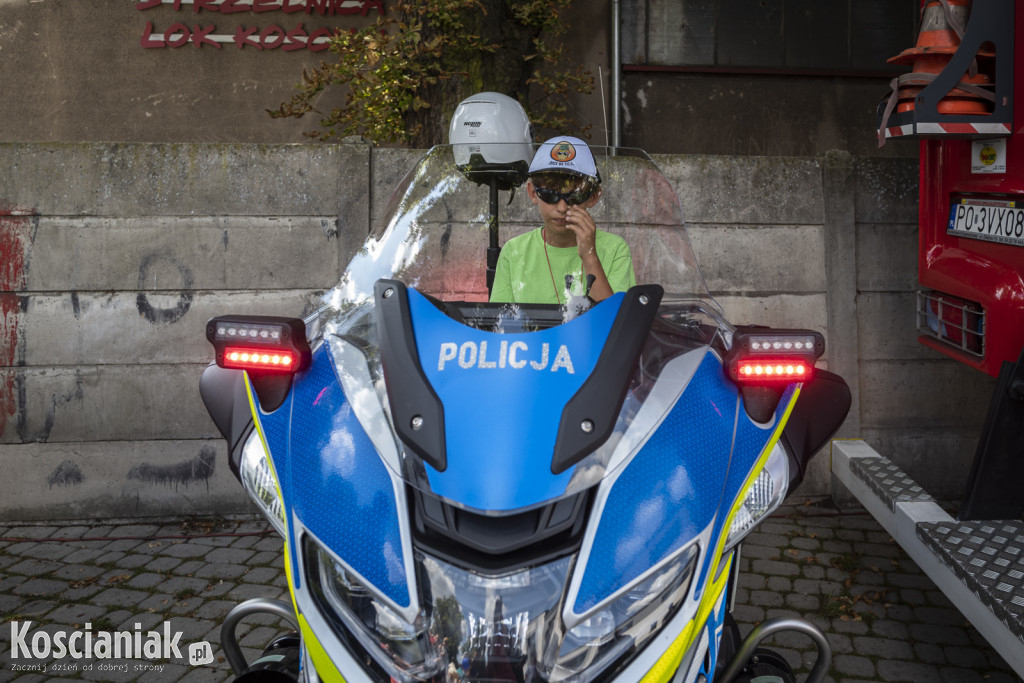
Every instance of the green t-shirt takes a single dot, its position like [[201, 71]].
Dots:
[[522, 274]]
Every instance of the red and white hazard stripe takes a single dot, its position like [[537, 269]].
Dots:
[[948, 129]]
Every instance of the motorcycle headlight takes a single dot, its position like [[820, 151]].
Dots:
[[402, 648], [627, 623], [498, 628], [764, 496], [259, 482]]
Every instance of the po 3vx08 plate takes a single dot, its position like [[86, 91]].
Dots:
[[991, 219]]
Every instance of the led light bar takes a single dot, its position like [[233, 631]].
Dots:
[[767, 369], [260, 359], [259, 343], [781, 344], [766, 356], [269, 334]]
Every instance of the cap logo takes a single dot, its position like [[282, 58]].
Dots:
[[563, 152]]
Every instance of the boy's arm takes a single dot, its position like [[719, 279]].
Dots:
[[579, 220]]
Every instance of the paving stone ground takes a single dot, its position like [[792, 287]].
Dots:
[[886, 621]]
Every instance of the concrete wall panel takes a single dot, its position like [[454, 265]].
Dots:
[[112, 328], [57, 56], [753, 115], [106, 403], [120, 479], [805, 311], [750, 258], [923, 395], [180, 180], [890, 262], [886, 189], [888, 328], [746, 190], [390, 166], [172, 253]]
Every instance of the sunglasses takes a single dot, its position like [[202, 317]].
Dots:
[[572, 197]]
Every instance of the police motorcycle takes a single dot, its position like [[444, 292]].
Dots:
[[520, 493]]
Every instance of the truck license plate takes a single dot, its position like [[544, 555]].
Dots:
[[992, 220]]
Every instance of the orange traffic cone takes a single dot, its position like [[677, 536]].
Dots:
[[942, 28], [957, 101]]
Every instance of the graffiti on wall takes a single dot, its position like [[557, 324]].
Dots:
[[17, 231], [272, 37], [184, 473]]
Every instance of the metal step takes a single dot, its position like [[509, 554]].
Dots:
[[979, 565]]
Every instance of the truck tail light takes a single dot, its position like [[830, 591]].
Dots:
[[259, 344], [761, 355], [952, 320]]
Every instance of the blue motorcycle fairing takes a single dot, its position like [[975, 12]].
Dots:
[[706, 445], [273, 429], [751, 440], [668, 493], [335, 482], [503, 396], [705, 648]]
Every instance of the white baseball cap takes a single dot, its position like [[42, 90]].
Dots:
[[565, 154]]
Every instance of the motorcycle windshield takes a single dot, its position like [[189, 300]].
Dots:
[[504, 372]]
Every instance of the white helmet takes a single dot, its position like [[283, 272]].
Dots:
[[490, 136]]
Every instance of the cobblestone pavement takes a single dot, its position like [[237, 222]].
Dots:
[[885, 619]]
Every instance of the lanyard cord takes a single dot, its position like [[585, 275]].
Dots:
[[548, 259]]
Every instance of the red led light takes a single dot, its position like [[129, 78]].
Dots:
[[773, 370], [258, 359]]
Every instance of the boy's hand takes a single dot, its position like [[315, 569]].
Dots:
[[578, 220]]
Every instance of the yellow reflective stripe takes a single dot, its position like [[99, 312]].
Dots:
[[755, 471], [325, 668], [288, 571], [266, 449], [667, 665]]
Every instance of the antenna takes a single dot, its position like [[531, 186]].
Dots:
[[604, 105]]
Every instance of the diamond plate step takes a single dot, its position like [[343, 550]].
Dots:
[[979, 565], [889, 482], [989, 558]]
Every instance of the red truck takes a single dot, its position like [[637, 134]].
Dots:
[[957, 101]]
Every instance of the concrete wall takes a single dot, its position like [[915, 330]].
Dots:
[[81, 72], [58, 56], [736, 114], [113, 256], [773, 77], [924, 413]]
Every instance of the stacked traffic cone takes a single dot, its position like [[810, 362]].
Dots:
[[942, 27]]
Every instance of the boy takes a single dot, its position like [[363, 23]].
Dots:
[[553, 263]]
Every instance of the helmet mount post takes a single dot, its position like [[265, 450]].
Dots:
[[493, 248], [493, 146]]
